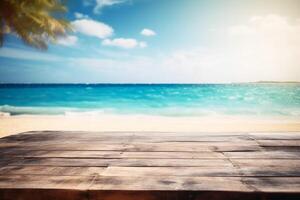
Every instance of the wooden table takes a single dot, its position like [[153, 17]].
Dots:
[[145, 165]]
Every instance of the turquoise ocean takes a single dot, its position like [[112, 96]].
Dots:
[[253, 99]]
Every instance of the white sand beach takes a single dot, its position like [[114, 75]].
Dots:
[[22, 123]]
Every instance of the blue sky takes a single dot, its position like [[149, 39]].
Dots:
[[164, 41]]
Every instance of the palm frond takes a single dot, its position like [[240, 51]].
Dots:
[[36, 22]]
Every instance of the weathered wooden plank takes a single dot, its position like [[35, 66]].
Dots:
[[274, 184], [4, 144], [124, 162], [279, 143], [45, 182], [69, 134], [65, 137], [5, 161], [194, 146], [51, 170], [188, 138], [171, 171], [212, 171], [38, 135], [44, 146], [111, 154], [264, 154], [61, 154], [259, 171], [117, 137], [186, 134], [63, 162], [47, 135], [203, 171], [139, 146], [275, 136], [266, 162], [172, 155], [170, 183]]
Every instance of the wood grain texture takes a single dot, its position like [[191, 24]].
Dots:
[[146, 165], [62, 162]]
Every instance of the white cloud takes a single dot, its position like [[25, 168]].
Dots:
[[265, 48], [69, 40], [93, 28], [273, 26], [147, 32], [105, 3], [80, 15], [126, 43]]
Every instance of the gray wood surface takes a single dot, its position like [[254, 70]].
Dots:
[[88, 164]]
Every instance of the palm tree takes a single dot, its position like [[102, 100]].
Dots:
[[36, 22]]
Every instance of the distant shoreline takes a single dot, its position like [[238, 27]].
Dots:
[[233, 83]]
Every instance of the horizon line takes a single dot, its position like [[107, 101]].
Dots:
[[162, 83]]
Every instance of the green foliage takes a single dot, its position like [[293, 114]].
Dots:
[[36, 22]]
